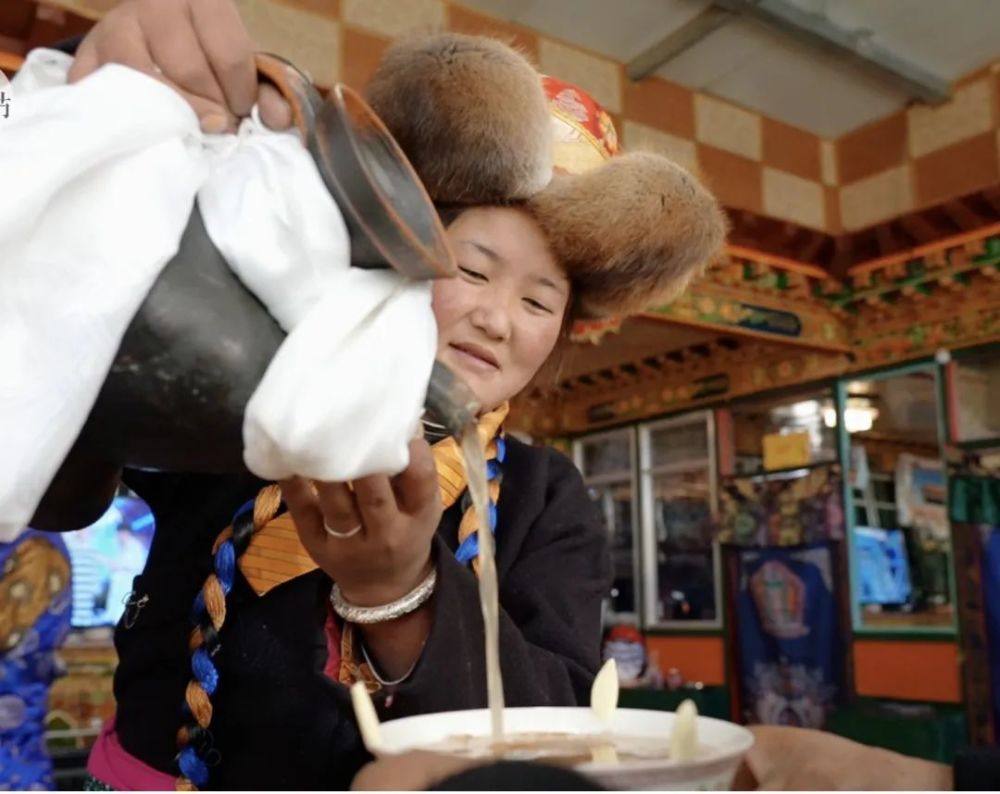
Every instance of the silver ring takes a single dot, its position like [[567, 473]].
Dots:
[[341, 535]]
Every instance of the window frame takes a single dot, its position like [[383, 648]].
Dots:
[[610, 615], [858, 624], [647, 525]]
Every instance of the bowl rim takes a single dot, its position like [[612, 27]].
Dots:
[[715, 763]]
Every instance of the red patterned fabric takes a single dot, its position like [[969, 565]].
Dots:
[[585, 135]]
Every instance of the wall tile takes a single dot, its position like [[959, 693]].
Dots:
[[973, 76], [648, 139], [871, 149], [735, 180], [828, 163], [876, 198], [793, 198], [727, 127], [362, 53], [464, 20], [833, 222], [790, 149], [958, 169], [392, 18], [661, 104], [600, 77], [310, 41], [969, 113]]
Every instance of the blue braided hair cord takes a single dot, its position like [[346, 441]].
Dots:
[[468, 550], [196, 753]]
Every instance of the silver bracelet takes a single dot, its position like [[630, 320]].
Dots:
[[383, 614]]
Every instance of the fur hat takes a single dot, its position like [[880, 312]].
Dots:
[[630, 233], [631, 230], [470, 114], [481, 126]]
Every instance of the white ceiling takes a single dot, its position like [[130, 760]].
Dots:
[[769, 71]]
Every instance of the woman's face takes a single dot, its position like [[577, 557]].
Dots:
[[500, 318]]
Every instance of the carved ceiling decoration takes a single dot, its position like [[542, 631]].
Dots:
[[763, 322]]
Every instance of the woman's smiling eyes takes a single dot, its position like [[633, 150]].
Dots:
[[538, 306], [475, 275], [481, 278]]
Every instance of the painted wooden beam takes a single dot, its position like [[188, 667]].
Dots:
[[803, 324]]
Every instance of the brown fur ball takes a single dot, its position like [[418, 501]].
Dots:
[[471, 115], [631, 233]]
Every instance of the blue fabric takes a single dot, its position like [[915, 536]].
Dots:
[[991, 600], [204, 671], [36, 572], [192, 767], [789, 644], [468, 549]]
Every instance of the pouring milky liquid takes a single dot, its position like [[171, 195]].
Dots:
[[599, 747], [450, 401], [489, 594]]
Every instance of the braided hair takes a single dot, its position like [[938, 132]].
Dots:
[[194, 739]]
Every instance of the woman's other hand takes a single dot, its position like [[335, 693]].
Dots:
[[797, 759], [201, 48]]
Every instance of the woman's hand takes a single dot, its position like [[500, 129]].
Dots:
[[391, 553], [201, 48], [797, 759]]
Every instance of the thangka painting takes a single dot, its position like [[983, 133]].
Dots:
[[786, 511], [991, 598], [787, 635], [974, 510]]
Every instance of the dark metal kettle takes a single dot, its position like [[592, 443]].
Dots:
[[197, 348]]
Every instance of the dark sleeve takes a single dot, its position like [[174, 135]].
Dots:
[[977, 769], [550, 616]]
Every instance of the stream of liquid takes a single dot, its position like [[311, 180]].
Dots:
[[489, 597]]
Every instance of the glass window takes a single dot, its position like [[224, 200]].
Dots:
[[606, 461], [977, 395], [900, 538], [813, 413], [678, 488], [608, 455], [614, 500], [681, 444]]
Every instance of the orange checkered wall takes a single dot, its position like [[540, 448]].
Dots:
[[913, 159]]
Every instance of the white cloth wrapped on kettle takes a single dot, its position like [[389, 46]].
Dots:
[[99, 180]]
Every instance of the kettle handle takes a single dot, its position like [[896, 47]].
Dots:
[[301, 95], [393, 219]]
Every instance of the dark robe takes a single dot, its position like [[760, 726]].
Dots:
[[279, 721]]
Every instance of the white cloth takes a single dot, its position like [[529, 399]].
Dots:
[[99, 181]]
